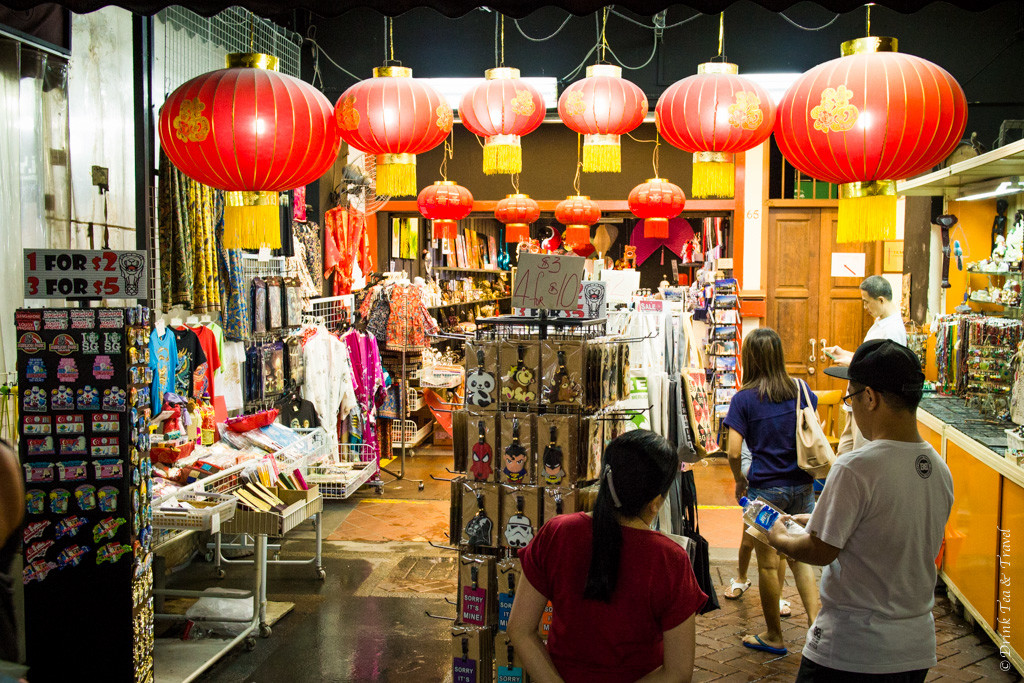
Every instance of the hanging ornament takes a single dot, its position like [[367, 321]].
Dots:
[[602, 107], [552, 241], [251, 131], [501, 109], [604, 238], [577, 213], [656, 200], [714, 115], [445, 203], [865, 120], [396, 117], [517, 211]]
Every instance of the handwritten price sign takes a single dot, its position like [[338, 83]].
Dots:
[[82, 274], [547, 281]]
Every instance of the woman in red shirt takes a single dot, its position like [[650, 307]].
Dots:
[[623, 596]]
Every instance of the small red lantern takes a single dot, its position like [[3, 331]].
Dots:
[[502, 109], [602, 107], [656, 200], [577, 213], [714, 115], [517, 211], [865, 120], [396, 117], [445, 203], [239, 129]]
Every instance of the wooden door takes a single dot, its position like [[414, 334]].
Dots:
[[804, 301]]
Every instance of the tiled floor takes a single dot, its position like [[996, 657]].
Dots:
[[369, 621]]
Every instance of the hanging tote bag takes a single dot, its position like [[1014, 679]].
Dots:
[[695, 396], [698, 548], [813, 452]]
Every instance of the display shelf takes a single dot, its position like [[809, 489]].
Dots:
[[405, 434], [1007, 160], [998, 273], [469, 270], [468, 303]]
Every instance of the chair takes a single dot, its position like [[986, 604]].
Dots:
[[831, 414]]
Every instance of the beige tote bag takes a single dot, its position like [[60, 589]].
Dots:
[[813, 452]]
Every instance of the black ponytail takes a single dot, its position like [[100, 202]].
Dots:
[[638, 467]]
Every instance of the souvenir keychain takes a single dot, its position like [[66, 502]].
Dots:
[[505, 601], [474, 600], [478, 529], [482, 454], [510, 673], [515, 457], [519, 529], [521, 375], [561, 385], [553, 471], [479, 384]]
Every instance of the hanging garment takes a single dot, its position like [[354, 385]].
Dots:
[[409, 321], [163, 360], [308, 236], [229, 382], [299, 204], [208, 342], [191, 362], [369, 382], [336, 250], [328, 382], [234, 288]]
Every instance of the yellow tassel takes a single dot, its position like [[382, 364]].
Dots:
[[252, 220], [396, 179], [503, 159], [602, 158], [713, 179], [867, 219]]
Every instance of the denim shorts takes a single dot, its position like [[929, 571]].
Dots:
[[792, 500]]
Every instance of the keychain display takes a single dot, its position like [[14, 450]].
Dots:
[[562, 377], [558, 462], [559, 501], [520, 507], [481, 376], [481, 508], [517, 458], [593, 446], [478, 605], [519, 361], [482, 436], [472, 654], [509, 571], [510, 666]]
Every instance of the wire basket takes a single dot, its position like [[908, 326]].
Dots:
[[338, 478], [442, 376], [408, 434], [222, 508]]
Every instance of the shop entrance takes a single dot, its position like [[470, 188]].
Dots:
[[806, 304]]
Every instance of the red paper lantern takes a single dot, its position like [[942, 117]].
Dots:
[[865, 120], [445, 203], [714, 115], [577, 213], [254, 132], [396, 117], [656, 200], [602, 107], [502, 109], [517, 211]]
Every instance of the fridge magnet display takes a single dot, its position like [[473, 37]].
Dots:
[[35, 370], [476, 592], [509, 571], [481, 386], [105, 422], [43, 446], [59, 500], [73, 446], [30, 342], [72, 470], [112, 342], [67, 370], [103, 368], [72, 556], [35, 501], [71, 424], [83, 319], [105, 446], [521, 515], [515, 461], [62, 398], [90, 343], [88, 398], [37, 550], [55, 319], [36, 424], [115, 398], [85, 497], [112, 552], [108, 468], [34, 400], [34, 530], [64, 345], [107, 499], [519, 383], [69, 526], [38, 472], [106, 528]]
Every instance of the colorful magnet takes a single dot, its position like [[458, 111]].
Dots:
[[91, 343], [62, 398], [88, 398], [43, 446], [59, 499], [36, 424], [115, 398], [106, 423], [30, 342], [103, 368], [72, 556], [105, 447], [111, 342], [34, 400], [108, 499], [73, 446], [67, 370], [85, 495], [107, 528], [71, 424], [35, 370], [69, 526], [35, 502], [34, 530], [111, 552], [64, 345], [108, 468], [72, 470], [37, 550], [38, 472]]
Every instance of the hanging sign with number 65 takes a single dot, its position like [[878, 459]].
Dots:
[[548, 281]]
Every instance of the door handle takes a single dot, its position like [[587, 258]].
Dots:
[[813, 357], [810, 370]]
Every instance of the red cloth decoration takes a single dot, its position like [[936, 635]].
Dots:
[[680, 232]]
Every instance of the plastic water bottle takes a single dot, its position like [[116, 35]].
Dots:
[[760, 516]]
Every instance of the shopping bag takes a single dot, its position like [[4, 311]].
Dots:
[[695, 396], [699, 550], [814, 454]]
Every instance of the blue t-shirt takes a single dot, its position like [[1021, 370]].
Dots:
[[769, 429], [163, 358]]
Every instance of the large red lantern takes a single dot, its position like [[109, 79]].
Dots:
[[577, 213], [396, 117], [254, 132], [865, 120], [714, 115], [517, 211], [656, 200], [445, 203], [502, 108], [602, 107]]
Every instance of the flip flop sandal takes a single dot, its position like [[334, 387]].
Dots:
[[736, 585], [765, 647], [784, 608]]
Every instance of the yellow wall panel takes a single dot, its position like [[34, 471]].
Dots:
[[1010, 622]]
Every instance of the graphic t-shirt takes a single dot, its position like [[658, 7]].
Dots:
[[299, 415], [208, 342], [191, 361], [163, 359]]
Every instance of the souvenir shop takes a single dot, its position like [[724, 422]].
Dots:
[[290, 334]]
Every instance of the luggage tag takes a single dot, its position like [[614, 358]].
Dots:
[[561, 384], [505, 601], [474, 600], [519, 529], [482, 467], [480, 384], [59, 500], [553, 458], [34, 400], [480, 527], [510, 673], [521, 375], [69, 526], [464, 669], [515, 468], [85, 497]]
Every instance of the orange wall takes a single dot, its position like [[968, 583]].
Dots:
[[976, 226]]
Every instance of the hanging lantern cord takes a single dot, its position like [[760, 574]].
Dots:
[[579, 164], [515, 182], [448, 153], [252, 32], [502, 40], [867, 20], [657, 145], [721, 35], [389, 42], [604, 39]]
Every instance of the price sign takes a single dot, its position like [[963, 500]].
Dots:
[[82, 274], [547, 281]]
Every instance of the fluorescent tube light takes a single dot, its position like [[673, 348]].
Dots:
[[452, 89], [990, 188]]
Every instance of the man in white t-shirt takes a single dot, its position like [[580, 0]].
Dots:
[[877, 529], [876, 295]]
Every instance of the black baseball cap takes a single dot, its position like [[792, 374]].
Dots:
[[883, 365]]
